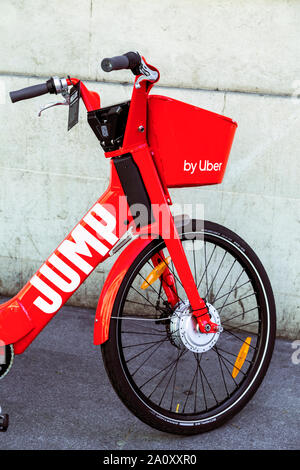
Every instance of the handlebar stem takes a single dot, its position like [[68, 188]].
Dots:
[[91, 99]]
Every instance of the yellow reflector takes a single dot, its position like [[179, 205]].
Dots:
[[177, 408], [156, 273], [241, 357]]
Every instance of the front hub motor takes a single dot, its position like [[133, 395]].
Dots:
[[184, 332]]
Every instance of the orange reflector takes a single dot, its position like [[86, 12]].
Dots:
[[241, 357], [156, 273]]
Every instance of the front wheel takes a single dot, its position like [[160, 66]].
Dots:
[[172, 377]]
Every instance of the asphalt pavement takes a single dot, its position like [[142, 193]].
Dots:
[[58, 396]]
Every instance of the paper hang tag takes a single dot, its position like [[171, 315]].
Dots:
[[74, 106]]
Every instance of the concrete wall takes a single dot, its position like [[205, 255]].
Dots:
[[239, 58]]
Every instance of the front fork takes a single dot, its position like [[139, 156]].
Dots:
[[169, 233], [198, 305]]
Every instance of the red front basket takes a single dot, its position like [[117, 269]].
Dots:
[[191, 145]]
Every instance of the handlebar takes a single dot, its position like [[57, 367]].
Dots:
[[31, 91], [130, 60]]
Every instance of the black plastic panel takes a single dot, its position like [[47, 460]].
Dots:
[[134, 188], [109, 125]]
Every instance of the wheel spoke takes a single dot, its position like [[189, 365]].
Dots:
[[232, 290], [214, 278], [225, 365], [142, 333], [237, 337], [160, 371], [243, 325], [221, 368], [202, 383], [230, 353], [145, 350], [209, 386], [154, 306], [225, 278], [206, 265], [239, 315], [146, 360], [179, 354], [141, 344], [227, 360], [170, 378], [172, 368], [189, 391], [237, 300]]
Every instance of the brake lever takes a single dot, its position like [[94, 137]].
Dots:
[[66, 102], [148, 74]]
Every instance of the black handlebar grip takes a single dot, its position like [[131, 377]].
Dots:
[[29, 92], [130, 60], [115, 63]]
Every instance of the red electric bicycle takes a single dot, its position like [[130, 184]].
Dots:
[[186, 316]]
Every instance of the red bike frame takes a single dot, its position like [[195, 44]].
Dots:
[[91, 241]]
